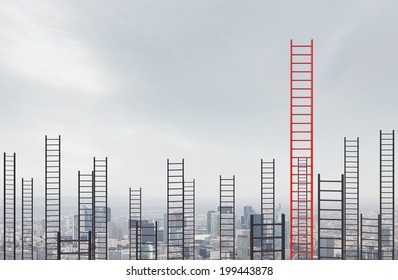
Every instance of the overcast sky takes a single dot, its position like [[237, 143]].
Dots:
[[207, 81]]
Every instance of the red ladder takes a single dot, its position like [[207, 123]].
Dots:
[[301, 151]]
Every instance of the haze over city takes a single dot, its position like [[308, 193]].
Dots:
[[207, 81]]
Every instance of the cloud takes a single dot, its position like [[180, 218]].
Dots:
[[140, 81], [38, 45]]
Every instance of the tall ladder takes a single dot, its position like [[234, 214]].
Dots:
[[27, 219], [267, 209], [351, 175], [175, 210], [9, 207], [100, 218], [227, 218], [387, 194], [52, 195], [301, 147], [189, 220], [85, 214], [135, 218]]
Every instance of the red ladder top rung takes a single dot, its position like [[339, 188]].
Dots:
[[301, 46]]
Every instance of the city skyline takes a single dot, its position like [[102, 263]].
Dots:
[[203, 81]]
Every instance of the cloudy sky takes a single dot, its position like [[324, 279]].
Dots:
[[203, 80]]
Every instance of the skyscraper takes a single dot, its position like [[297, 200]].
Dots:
[[209, 220]]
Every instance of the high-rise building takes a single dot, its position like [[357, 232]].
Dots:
[[209, 221], [86, 224], [243, 244], [147, 252], [215, 224], [278, 212], [109, 214], [245, 219]]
